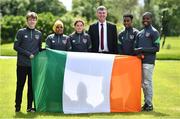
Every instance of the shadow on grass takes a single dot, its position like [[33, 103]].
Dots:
[[44, 114], [132, 114], [24, 115], [63, 115], [154, 113], [151, 113]]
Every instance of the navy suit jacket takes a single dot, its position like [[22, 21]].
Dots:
[[111, 37]]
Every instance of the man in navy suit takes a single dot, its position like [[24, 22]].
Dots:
[[103, 34]]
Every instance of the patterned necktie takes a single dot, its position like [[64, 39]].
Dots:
[[102, 37]]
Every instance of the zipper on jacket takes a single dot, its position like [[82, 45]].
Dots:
[[79, 38], [58, 39], [31, 35], [127, 35]]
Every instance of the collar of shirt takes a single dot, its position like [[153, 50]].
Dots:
[[104, 24]]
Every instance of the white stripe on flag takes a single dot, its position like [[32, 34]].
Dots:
[[87, 82]]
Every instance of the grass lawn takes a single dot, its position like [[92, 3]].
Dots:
[[7, 49], [166, 95], [170, 51]]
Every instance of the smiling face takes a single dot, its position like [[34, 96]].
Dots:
[[101, 15], [31, 19], [31, 22], [59, 29], [146, 20], [79, 27], [127, 22]]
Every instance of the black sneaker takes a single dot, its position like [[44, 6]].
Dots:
[[31, 110], [147, 107], [17, 109]]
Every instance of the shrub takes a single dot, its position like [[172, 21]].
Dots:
[[11, 24]]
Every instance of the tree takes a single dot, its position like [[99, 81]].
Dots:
[[20, 7], [116, 8], [173, 12], [10, 25], [14, 7], [85, 8], [54, 6], [172, 8]]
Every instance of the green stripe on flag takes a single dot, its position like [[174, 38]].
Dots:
[[47, 77]]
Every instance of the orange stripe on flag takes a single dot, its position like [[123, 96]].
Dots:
[[125, 91]]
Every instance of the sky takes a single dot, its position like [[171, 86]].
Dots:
[[68, 3]]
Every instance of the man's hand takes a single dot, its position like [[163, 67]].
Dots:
[[140, 56]]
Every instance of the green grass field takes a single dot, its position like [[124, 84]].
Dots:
[[166, 88], [7, 49], [171, 50], [166, 95]]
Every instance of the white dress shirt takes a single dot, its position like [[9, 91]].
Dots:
[[105, 37]]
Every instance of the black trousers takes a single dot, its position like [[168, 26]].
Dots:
[[22, 73]]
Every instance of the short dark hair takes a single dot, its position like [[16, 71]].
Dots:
[[147, 14], [31, 14], [128, 15], [101, 8], [78, 20]]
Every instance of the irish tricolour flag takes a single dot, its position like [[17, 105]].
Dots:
[[73, 82]]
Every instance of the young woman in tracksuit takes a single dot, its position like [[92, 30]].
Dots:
[[57, 40], [80, 41]]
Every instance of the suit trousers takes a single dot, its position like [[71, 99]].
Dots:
[[22, 73]]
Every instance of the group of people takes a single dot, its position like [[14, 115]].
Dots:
[[100, 38]]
